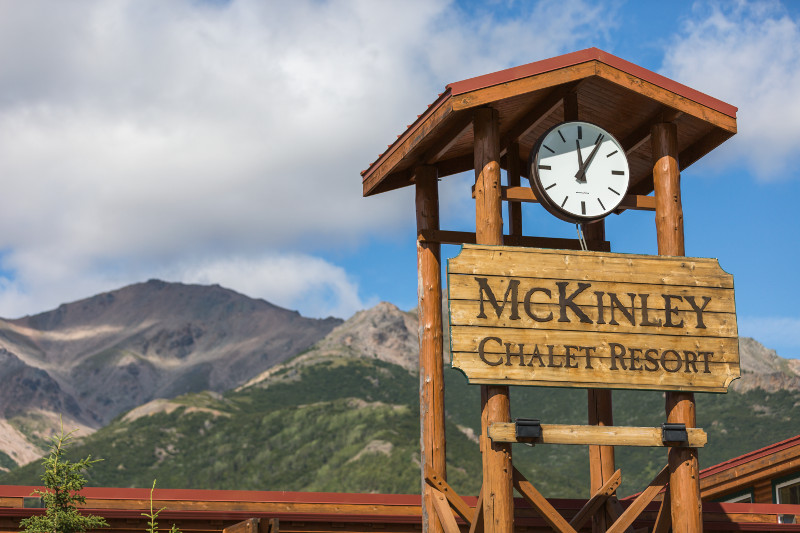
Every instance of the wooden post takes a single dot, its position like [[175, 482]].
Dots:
[[514, 208], [431, 378], [684, 480], [498, 495], [601, 458]]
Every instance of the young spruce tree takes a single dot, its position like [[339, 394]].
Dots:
[[63, 481]]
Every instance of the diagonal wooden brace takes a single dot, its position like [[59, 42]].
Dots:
[[456, 502], [638, 505], [664, 517], [443, 511], [542, 506], [596, 502], [477, 523]]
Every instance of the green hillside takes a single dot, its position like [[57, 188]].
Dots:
[[352, 425]]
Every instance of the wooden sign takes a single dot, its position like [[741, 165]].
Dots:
[[527, 316]]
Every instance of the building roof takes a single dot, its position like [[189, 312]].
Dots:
[[620, 96]]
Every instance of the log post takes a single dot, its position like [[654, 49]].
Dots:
[[684, 479], [601, 458], [498, 495], [514, 208], [431, 377]]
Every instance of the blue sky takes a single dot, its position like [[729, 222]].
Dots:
[[221, 142]]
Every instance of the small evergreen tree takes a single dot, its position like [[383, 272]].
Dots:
[[63, 481], [152, 525]]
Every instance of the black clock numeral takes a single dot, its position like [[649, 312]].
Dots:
[[612, 153], [580, 132], [601, 204], [562, 136], [549, 187], [583, 208], [618, 172], [545, 167], [612, 190], [549, 149], [565, 201]]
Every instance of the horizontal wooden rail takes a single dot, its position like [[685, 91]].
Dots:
[[520, 193], [554, 243], [598, 435]]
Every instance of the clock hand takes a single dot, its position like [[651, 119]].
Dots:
[[580, 158], [581, 174]]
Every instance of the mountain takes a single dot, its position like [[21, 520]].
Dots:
[[765, 369], [343, 416], [93, 359]]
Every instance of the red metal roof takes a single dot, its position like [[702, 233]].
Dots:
[[751, 456], [582, 56]]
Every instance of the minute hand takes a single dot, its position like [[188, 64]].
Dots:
[[581, 174]]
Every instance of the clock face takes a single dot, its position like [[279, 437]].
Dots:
[[579, 171]]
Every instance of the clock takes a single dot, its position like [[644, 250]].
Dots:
[[579, 172]]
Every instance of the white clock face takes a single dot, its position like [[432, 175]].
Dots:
[[579, 171]]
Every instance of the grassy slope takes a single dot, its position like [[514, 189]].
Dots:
[[354, 427]]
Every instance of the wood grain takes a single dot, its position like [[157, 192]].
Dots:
[[498, 494], [541, 505], [431, 372], [684, 478], [598, 435]]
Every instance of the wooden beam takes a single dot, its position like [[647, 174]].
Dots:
[[687, 511], [443, 512], [461, 124], [541, 505], [598, 435], [431, 371], [456, 502], [645, 497], [534, 116], [664, 516], [596, 502], [246, 526], [614, 511], [641, 133], [476, 526], [703, 146], [630, 201], [455, 165], [433, 121], [466, 237], [498, 501], [513, 165]]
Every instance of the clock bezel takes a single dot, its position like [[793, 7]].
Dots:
[[549, 202]]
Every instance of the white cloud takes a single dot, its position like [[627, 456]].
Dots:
[[747, 54], [313, 286], [137, 134]]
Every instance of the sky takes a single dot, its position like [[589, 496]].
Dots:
[[214, 141]]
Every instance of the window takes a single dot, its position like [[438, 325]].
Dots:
[[788, 491], [740, 497]]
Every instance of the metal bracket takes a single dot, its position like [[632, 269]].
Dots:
[[671, 432], [528, 428]]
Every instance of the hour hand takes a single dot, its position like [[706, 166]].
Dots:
[[582, 177], [581, 174]]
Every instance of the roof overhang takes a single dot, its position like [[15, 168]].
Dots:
[[619, 96]]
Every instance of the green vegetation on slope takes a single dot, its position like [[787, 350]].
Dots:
[[352, 425]]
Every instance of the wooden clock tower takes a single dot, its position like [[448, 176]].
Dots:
[[490, 123]]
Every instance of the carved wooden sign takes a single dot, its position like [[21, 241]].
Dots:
[[527, 316]]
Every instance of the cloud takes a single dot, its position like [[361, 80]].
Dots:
[[747, 54], [309, 284], [138, 134]]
